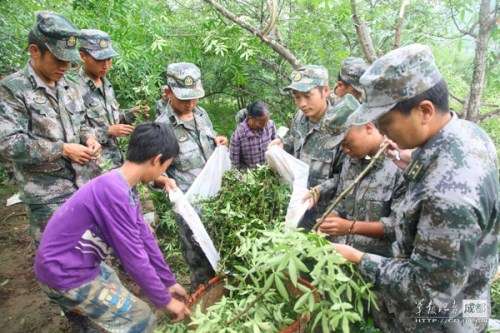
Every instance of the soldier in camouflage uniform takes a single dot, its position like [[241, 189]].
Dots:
[[42, 122], [447, 224], [103, 112], [362, 218], [313, 136], [197, 140], [351, 70]]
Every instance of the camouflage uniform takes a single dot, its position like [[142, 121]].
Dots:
[[36, 120], [317, 144], [447, 224], [196, 140], [240, 116], [351, 70], [370, 200], [101, 104]]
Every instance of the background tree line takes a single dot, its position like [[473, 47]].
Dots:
[[247, 48]]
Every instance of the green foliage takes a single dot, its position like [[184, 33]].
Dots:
[[246, 204], [167, 233], [495, 299], [237, 68], [267, 295]]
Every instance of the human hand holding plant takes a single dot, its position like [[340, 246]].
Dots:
[[177, 310]]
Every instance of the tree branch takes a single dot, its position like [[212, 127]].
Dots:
[[399, 23], [488, 115], [363, 35], [279, 48], [461, 30]]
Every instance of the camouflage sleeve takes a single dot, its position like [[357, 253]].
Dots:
[[17, 143], [86, 131], [389, 222], [127, 116], [445, 241], [328, 188]]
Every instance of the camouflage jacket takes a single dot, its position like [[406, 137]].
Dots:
[[370, 200], [447, 229], [103, 111], [313, 144], [35, 122], [196, 142]]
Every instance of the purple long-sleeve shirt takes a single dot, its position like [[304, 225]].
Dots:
[[102, 216]]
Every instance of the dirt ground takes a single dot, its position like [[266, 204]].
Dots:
[[23, 306]]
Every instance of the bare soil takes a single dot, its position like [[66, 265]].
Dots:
[[23, 306]]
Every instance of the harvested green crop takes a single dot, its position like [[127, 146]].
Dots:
[[247, 203], [259, 297]]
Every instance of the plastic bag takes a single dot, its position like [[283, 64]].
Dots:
[[296, 173], [206, 185], [208, 182], [184, 208]]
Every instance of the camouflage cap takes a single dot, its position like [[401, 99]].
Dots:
[[58, 34], [397, 76], [185, 80], [307, 78], [337, 123], [97, 43], [351, 70]]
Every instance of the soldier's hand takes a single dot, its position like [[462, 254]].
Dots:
[[276, 142], [349, 253], [120, 130], [335, 226], [77, 153], [178, 292], [221, 140], [400, 157], [94, 146], [177, 310]]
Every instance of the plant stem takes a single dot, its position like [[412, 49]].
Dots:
[[350, 187]]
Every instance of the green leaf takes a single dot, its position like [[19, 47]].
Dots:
[[302, 299], [345, 325], [292, 272], [281, 287], [324, 324]]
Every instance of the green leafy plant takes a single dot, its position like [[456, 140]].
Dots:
[[247, 203], [261, 296]]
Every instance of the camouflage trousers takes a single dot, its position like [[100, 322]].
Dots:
[[103, 304], [38, 216], [198, 264]]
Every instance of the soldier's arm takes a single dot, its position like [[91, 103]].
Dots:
[[444, 247], [127, 116], [17, 143], [328, 188]]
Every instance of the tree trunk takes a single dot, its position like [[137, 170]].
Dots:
[[279, 48], [487, 21], [399, 23], [363, 35]]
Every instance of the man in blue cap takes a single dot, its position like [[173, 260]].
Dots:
[[42, 122]]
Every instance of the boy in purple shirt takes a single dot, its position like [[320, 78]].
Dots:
[[105, 216]]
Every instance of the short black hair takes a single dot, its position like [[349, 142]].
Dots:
[[438, 95], [34, 39], [257, 109], [150, 139]]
